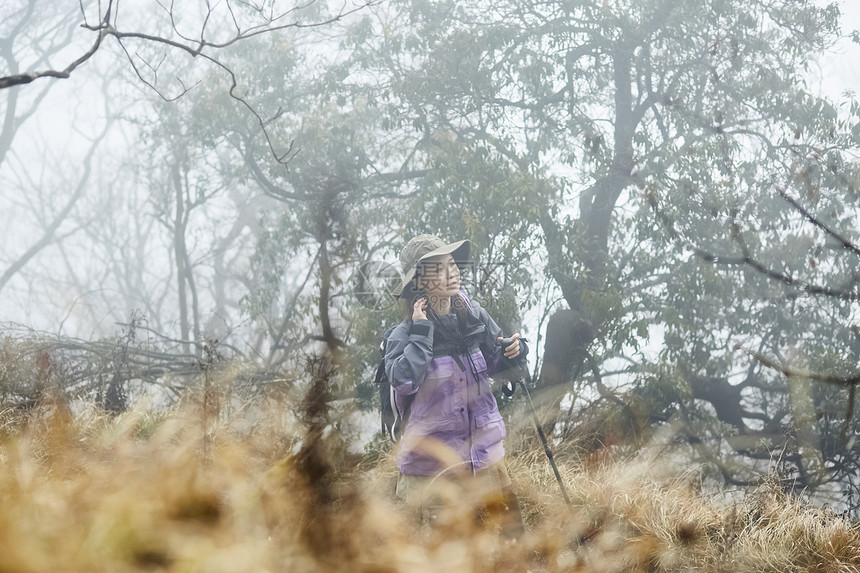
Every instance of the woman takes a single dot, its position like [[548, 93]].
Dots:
[[438, 361]]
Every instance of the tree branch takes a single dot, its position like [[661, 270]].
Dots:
[[848, 381], [104, 28], [22, 79], [846, 244], [747, 260], [51, 230]]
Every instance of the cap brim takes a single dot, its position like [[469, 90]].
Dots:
[[459, 250]]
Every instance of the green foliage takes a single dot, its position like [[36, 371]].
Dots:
[[275, 248], [626, 157], [704, 111]]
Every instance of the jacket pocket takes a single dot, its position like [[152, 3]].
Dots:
[[484, 403], [490, 429], [479, 361], [439, 368], [488, 418]]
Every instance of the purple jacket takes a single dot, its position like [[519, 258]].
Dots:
[[452, 403]]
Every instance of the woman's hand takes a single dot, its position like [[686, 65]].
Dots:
[[513, 350], [418, 308]]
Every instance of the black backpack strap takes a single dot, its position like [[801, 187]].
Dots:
[[392, 424], [400, 423], [384, 398]]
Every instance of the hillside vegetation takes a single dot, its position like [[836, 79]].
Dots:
[[219, 484]]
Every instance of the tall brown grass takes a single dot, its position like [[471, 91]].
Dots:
[[270, 485]]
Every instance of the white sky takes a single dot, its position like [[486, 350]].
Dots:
[[841, 71]]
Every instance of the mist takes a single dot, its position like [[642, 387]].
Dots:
[[663, 197]]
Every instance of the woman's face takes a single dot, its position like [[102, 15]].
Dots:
[[440, 276]]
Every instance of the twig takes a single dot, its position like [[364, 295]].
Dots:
[[846, 244], [849, 381], [748, 260]]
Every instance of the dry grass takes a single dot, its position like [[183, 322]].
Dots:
[[265, 488]]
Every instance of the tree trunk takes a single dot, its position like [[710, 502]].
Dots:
[[570, 332], [179, 253]]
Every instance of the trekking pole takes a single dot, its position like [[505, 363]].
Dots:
[[544, 441], [523, 374]]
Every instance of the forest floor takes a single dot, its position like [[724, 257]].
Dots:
[[210, 488]]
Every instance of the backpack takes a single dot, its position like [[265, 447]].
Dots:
[[392, 424]]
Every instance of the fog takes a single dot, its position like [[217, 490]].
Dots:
[[663, 197]]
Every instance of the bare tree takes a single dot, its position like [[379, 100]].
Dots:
[[202, 43], [154, 42], [28, 38], [50, 232]]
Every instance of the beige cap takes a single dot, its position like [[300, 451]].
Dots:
[[423, 247]]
